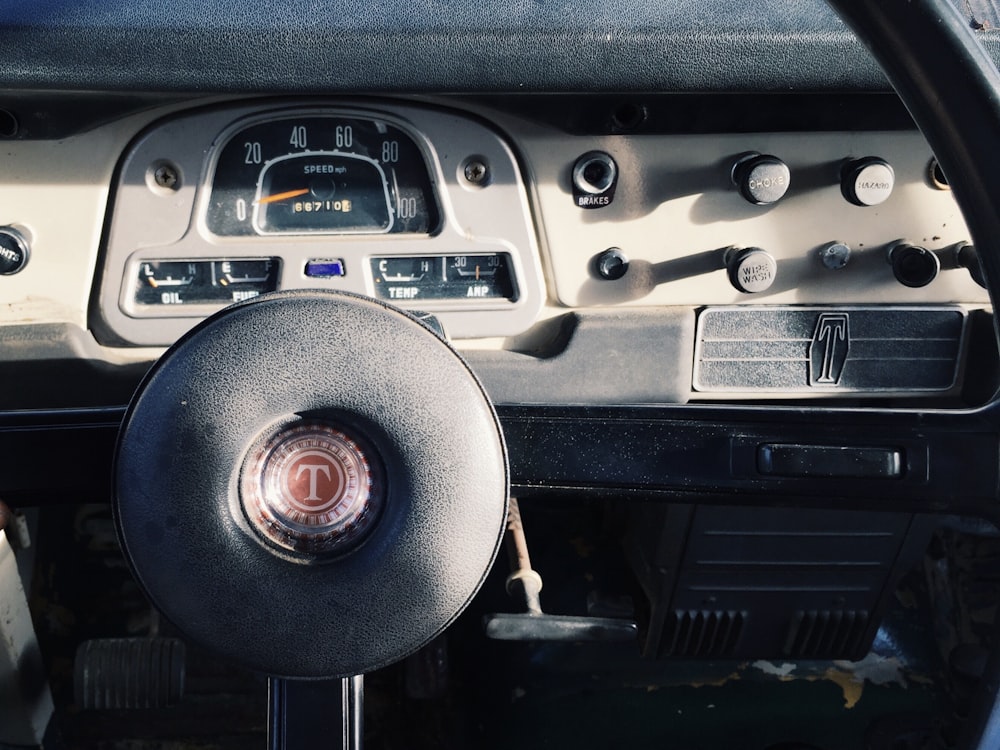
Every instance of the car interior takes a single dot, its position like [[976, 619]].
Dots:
[[433, 374]]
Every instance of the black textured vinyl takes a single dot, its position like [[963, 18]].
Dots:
[[429, 45], [317, 356]]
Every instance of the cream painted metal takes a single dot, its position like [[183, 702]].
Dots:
[[25, 701]]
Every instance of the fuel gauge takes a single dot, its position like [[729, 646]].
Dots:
[[244, 279], [252, 271]]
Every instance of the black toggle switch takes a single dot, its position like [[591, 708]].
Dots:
[[612, 264], [967, 257], [913, 266]]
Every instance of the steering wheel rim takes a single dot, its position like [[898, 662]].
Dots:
[[952, 90]]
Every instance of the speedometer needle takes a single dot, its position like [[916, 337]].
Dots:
[[282, 196]]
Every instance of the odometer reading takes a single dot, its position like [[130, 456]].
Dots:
[[321, 175]]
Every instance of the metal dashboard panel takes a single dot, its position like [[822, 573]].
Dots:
[[676, 213], [829, 349]]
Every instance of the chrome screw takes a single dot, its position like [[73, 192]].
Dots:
[[477, 172], [166, 176]]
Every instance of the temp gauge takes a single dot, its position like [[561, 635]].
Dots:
[[216, 282], [445, 277]]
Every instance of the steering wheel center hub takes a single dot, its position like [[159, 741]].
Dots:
[[389, 470], [311, 488]]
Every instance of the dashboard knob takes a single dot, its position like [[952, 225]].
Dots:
[[612, 264], [595, 176], [835, 255], [751, 269], [913, 266], [761, 179], [867, 182], [13, 251]]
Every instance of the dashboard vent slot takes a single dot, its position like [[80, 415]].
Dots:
[[826, 633], [703, 633]]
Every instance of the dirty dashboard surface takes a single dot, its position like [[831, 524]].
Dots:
[[708, 272]]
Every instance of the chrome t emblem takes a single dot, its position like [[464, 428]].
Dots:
[[828, 350]]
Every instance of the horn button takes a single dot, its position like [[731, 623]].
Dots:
[[311, 488]]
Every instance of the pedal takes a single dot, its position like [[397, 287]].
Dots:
[[129, 673], [525, 585], [542, 627]]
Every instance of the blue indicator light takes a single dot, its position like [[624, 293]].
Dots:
[[325, 269]]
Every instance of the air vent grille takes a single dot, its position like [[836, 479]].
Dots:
[[826, 633], [703, 633]]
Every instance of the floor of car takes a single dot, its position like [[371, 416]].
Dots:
[[465, 691]]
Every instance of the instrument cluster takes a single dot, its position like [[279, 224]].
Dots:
[[425, 209]]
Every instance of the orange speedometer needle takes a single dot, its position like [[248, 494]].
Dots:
[[282, 196]]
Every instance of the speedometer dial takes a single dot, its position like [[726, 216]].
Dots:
[[321, 174]]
